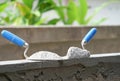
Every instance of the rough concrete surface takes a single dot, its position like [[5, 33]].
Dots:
[[99, 72], [101, 67]]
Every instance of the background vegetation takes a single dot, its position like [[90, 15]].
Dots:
[[24, 12]]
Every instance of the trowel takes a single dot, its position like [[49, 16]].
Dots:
[[72, 53]]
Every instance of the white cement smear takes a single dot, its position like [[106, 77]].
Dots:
[[73, 53]]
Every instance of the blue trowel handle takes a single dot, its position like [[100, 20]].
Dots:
[[90, 35], [13, 38]]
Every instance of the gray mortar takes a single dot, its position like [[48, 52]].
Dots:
[[44, 55], [73, 53]]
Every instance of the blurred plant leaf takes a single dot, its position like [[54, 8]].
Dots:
[[3, 6], [45, 5], [40, 21], [53, 21], [72, 12], [60, 12], [36, 13], [24, 10], [82, 8], [98, 22], [13, 0], [6, 19], [96, 11], [28, 3], [20, 21]]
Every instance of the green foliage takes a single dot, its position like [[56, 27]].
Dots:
[[28, 3], [25, 12], [78, 12], [45, 5]]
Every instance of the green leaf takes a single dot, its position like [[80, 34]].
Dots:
[[6, 19], [40, 21], [24, 10], [98, 22], [20, 21], [46, 5], [96, 11], [60, 2], [60, 12], [3, 6], [13, 0], [53, 21], [29, 3], [72, 12], [36, 13], [83, 8]]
